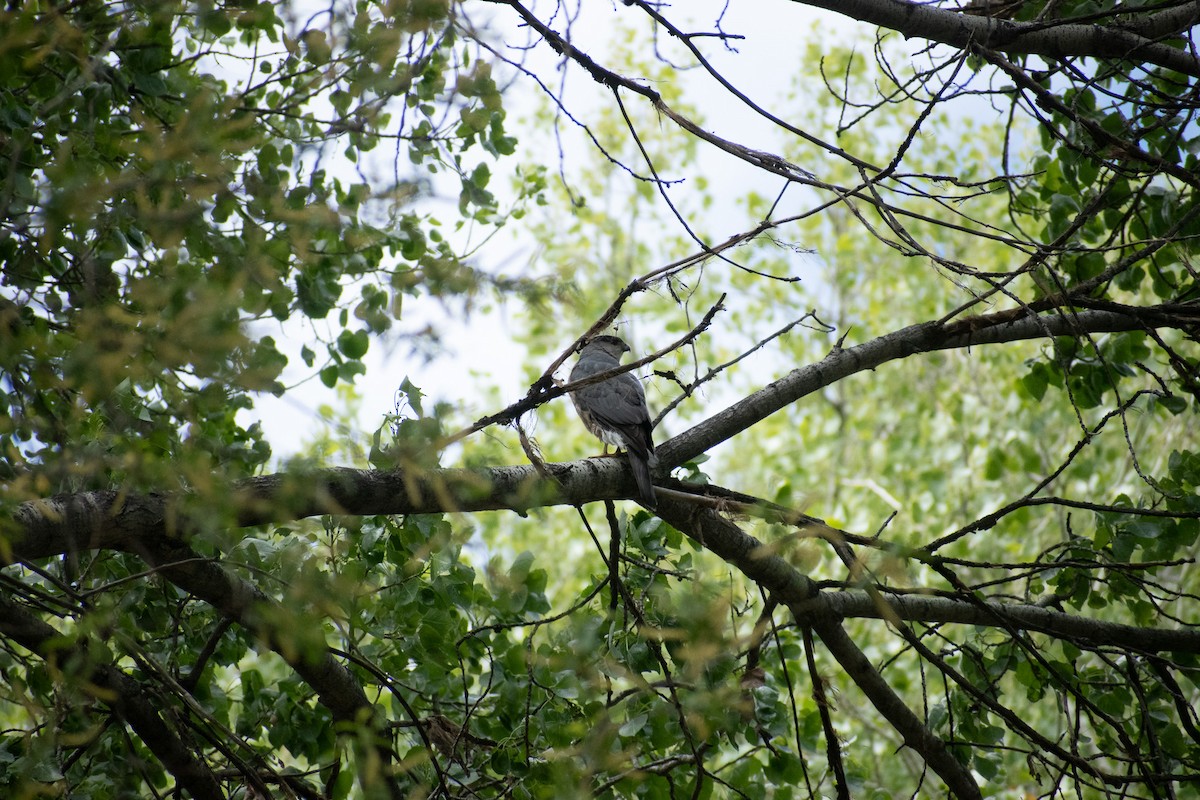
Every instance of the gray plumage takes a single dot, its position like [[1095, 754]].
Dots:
[[615, 410]]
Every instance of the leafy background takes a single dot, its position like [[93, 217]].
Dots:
[[197, 196]]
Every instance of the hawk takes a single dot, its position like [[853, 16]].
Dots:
[[615, 410]]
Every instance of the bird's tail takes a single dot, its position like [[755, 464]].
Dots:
[[641, 475]]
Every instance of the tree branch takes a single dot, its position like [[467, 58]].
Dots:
[[606, 77], [811, 608], [1004, 326], [124, 695], [366, 492], [1093, 632], [915, 733], [1136, 40], [112, 519], [337, 688]]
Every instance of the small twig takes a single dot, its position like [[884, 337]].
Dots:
[[533, 452], [544, 390], [833, 748], [691, 388], [614, 554]]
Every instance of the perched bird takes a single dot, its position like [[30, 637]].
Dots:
[[615, 410]]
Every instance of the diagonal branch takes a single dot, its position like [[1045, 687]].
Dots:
[[336, 687], [543, 389], [112, 519], [120, 692], [811, 609], [915, 733], [920, 338], [606, 77]]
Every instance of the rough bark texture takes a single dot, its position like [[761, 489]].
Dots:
[[811, 608], [1135, 40]]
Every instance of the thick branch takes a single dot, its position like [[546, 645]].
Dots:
[[1058, 40], [364, 492], [1090, 632], [810, 608], [116, 520], [921, 338], [112, 520], [337, 688], [124, 695], [914, 732]]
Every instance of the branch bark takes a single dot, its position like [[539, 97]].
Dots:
[[921, 338], [1082, 630], [811, 608], [1136, 40], [113, 519], [915, 733], [337, 688], [120, 692]]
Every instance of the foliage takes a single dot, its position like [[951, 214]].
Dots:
[[188, 188], [175, 181]]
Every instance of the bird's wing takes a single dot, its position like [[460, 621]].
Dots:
[[617, 402]]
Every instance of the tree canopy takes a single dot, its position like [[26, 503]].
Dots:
[[913, 291]]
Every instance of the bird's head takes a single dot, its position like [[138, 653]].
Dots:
[[612, 346]]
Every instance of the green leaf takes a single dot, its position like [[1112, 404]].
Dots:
[[1063, 209], [412, 394], [353, 344], [1173, 403], [1035, 381], [634, 726]]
